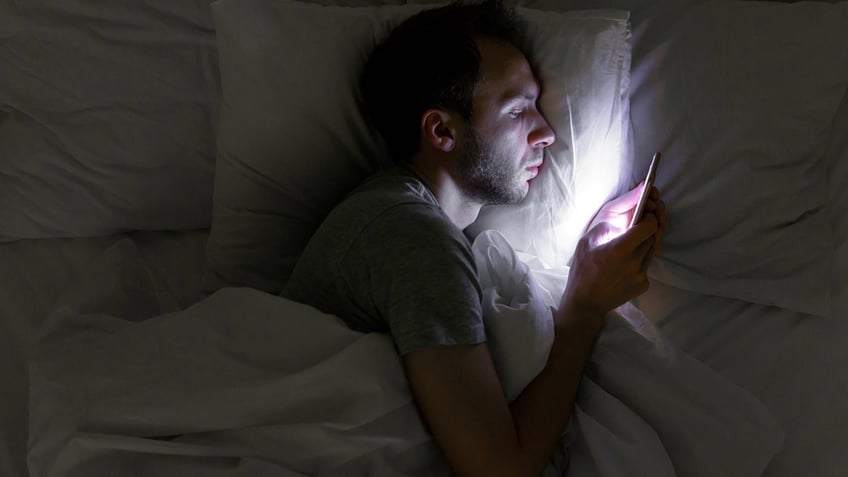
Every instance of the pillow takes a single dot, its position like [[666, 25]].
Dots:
[[109, 127], [292, 140], [739, 97]]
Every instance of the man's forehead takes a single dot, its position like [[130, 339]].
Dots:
[[509, 86], [504, 71]]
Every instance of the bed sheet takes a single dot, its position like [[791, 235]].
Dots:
[[33, 275], [792, 362], [248, 383]]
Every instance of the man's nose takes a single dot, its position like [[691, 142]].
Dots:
[[542, 135]]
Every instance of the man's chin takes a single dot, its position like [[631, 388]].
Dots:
[[517, 195], [503, 195], [520, 191]]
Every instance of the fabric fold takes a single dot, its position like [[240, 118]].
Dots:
[[247, 383]]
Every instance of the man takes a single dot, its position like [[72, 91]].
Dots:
[[455, 100]]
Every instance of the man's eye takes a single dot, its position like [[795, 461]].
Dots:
[[514, 114]]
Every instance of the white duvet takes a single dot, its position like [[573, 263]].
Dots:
[[245, 383]]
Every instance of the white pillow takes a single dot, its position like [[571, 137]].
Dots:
[[292, 139], [740, 97], [107, 127]]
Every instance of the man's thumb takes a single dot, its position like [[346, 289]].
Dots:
[[602, 233]]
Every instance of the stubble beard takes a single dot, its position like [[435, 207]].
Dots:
[[488, 174]]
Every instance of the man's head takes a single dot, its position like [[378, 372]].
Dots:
[[454, 79]]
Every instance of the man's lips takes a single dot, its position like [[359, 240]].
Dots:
[[534, 168]]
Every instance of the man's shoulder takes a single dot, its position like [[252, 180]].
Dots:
[[391, 218], [394, 194], [393, 185]]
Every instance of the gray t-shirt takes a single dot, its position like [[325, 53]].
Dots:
[[388, 259]]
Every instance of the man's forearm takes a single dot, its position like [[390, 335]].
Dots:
[[542, 410]]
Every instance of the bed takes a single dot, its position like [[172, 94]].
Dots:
[[163, 163]]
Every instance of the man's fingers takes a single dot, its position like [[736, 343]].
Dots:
[[662, 225], [601, 233], [654, 202], [657, 207], [646, 253], [600, 228], [640, 232]]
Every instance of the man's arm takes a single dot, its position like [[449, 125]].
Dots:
[[459, 394], [458, 391]]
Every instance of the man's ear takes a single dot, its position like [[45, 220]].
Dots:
[[438, 129]]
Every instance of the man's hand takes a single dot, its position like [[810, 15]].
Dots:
[[619, 211], [458, 391], [608, 272]]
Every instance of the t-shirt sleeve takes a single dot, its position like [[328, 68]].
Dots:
[[419, 272]]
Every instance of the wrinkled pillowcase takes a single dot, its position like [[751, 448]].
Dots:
[[108, 128], [740, 97]]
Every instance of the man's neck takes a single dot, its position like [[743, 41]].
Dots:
[[456, 205]]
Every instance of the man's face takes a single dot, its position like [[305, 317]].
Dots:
[[503, 147]]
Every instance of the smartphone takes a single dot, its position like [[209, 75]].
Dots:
[[649, 183]]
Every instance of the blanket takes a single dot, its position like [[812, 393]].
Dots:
[[244, 383]]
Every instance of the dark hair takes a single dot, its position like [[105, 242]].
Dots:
[[430, 61]]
